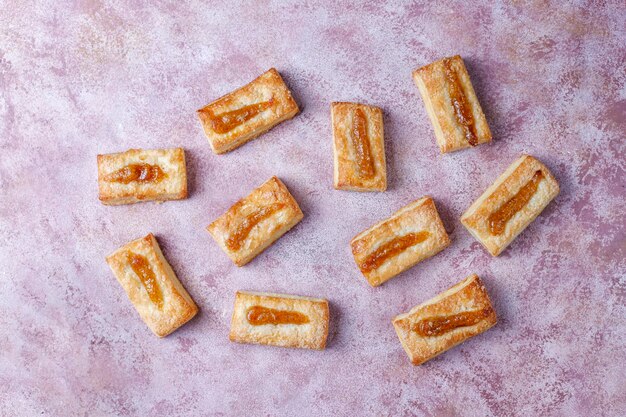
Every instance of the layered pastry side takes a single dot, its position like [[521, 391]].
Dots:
[[510, 204], [279, 320], [152, 286], [256, 221], [142, 175], [240, 116], [455, 315], [451, 104], [412, 234], [358, 147]]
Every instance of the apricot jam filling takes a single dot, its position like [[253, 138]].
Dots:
[[141, 267], [498, 219], [258, 315], [142, 173], [227, 121], [462, 110], [391, 249], [437, 326], [237, 238], [361, 144]]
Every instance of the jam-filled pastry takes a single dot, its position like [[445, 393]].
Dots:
[[240, 116], [256, 221], [152, 286], [446, 320], [412, 234], [279, 320], [510, 204], [142, 175], [451, 103], [358, 147]]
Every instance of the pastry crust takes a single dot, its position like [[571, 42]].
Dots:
[[173, 186], [468, 296], [310, 335], [269, 86], [269, 212], [177, 306], [437, 87], [419, 219], [507, 186], [347, 174]]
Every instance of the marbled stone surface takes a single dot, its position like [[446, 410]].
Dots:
[[80, 78]]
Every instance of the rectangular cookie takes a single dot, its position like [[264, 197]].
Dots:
[[152, 286], [412, 234], [358, 147], [142, 175], [279, 320], [455, 315], [510, 204], [451, 104], [256, 221], [240, 116]]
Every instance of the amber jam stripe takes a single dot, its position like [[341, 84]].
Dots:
[[497, 220], [143, 173], [259, 315], [391, 249], [227, 121], [462, 110], [361, 144], [236, 239], [437, 326], [141, 267]]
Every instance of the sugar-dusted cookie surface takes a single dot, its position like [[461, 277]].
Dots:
[[446, 320], [510, 204], [240, 116], [256, 221], [142, 175], [451, 104], [358, 147], [152, 286], [279, 320], [412, 234]]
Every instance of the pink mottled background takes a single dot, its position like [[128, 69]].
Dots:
[[80, 78]]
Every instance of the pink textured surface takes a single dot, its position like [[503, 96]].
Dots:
[[86, 77]]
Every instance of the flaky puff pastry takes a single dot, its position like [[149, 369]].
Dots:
[[142, 175], [256, 221], [358, 147], [510, 204], [152, 286], [446, 320], [451, 104], [412, 234], [240, 116], [279, 320]]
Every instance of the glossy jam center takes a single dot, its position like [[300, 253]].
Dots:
[[225, 122], [146, 275], [436, 326], [258, 315], [241, 232], [144, 173], [391, 249], [497, 220], [462, 110], [361, 144]]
